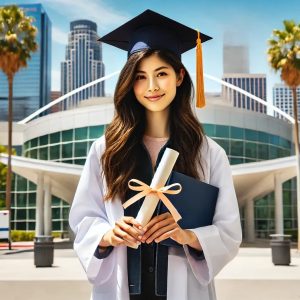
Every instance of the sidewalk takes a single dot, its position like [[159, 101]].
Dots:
[[251, 275]]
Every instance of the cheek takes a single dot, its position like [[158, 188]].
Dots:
[[137, 88]]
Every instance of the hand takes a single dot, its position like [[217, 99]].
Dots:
[[162, 227], [127, 232]]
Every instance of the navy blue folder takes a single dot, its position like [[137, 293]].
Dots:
[[195, 203]]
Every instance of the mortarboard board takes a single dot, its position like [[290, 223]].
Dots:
[[151, 30], [196, 203]]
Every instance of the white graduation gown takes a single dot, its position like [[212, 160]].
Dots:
[[188, 279]]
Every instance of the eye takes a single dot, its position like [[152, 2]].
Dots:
[[139, 77], [160, 74]]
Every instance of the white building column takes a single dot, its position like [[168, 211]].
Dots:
[[39, 211], [47, 208], [249, 221], [278, 204]]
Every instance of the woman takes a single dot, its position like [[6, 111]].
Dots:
[[153, 110]]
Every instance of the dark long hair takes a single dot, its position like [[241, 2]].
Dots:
[[124, 134]]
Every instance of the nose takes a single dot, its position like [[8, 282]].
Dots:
[[153, 85]]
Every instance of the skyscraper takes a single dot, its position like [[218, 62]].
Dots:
[[31, 89], [83, 62], [252, 83], [236, 71], [283, 99]]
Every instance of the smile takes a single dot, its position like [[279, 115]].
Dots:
[[154, 98]]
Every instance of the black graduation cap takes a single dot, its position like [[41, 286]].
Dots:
[[151, 30]]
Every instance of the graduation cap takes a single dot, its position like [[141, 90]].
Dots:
[[151, 30]]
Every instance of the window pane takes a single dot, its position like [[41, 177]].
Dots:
[[81, 133], [263, 151], [21, 199], [43, 140], [56, 213], [250, 150], [56, 225], [79, 161], [251, 135], [273, 152], [33, 142], [54, 152], [67, 135], [222, 131], [210, 129], [67, 150], [43, 153], [31, 214], [33, 153], [20, 226], [263, 137], [80, 149], [96, 131], [236, 148], [21, 214], [31, 199], [21, 184], [55, 137], [55, 201], [236, 133]]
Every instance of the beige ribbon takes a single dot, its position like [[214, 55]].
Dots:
[[145, 190]]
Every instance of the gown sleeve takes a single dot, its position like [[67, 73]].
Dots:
[[221, 240], [89, 221]]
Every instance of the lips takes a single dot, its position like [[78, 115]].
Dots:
[[154, 97]]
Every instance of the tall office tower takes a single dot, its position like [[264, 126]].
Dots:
[[83, 62], [235, 59], [283, 99], [255, 84], [31, 87]]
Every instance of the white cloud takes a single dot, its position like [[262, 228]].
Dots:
[[59, 36], [94, 10]]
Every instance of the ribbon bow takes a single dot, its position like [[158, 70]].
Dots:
[[145, 190]]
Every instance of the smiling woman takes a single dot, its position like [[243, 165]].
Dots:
[[153, 111]]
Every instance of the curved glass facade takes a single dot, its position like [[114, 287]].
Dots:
[[69, 146], [245, 145]]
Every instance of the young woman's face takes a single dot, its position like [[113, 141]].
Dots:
[[155, 83]]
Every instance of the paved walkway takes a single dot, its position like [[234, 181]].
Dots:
[[251, 275]]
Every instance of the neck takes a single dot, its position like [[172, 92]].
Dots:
[[157, 123]]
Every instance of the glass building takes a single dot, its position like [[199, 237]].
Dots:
[[283, 99], [83, 62], [255, 84], [31, 88]]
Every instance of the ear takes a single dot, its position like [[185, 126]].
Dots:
[[180, 77]]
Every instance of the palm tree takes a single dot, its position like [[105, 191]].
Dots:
[[284, 56], [17, 41]]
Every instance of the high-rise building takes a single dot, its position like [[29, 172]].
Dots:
[[283, 99], [31, 88], [255, 84], [235, 59], [83, 62]]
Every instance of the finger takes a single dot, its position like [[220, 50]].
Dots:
[[129, 229], [131, 244], [160, 231], [156, 227], [116, 241], [124, 235], [155, 220], [133, 221], [166, 235]]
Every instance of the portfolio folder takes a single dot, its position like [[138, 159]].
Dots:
[[196, 203]]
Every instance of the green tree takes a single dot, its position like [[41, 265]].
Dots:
[[284, 56], [17, 42]]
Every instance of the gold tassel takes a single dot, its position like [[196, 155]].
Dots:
[[200, 98]]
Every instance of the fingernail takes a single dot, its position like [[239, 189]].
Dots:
[[138, 243], [139, 237]]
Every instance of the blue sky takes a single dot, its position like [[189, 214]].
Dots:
[[247, 22]]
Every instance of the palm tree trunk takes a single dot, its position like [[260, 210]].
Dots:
[[297, 151], [9, 148]]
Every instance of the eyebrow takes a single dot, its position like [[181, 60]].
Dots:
[[158, 69]]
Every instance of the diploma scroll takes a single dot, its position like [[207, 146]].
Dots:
[[159, 179]]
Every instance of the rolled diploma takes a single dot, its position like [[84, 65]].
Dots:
[[159, 179]]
